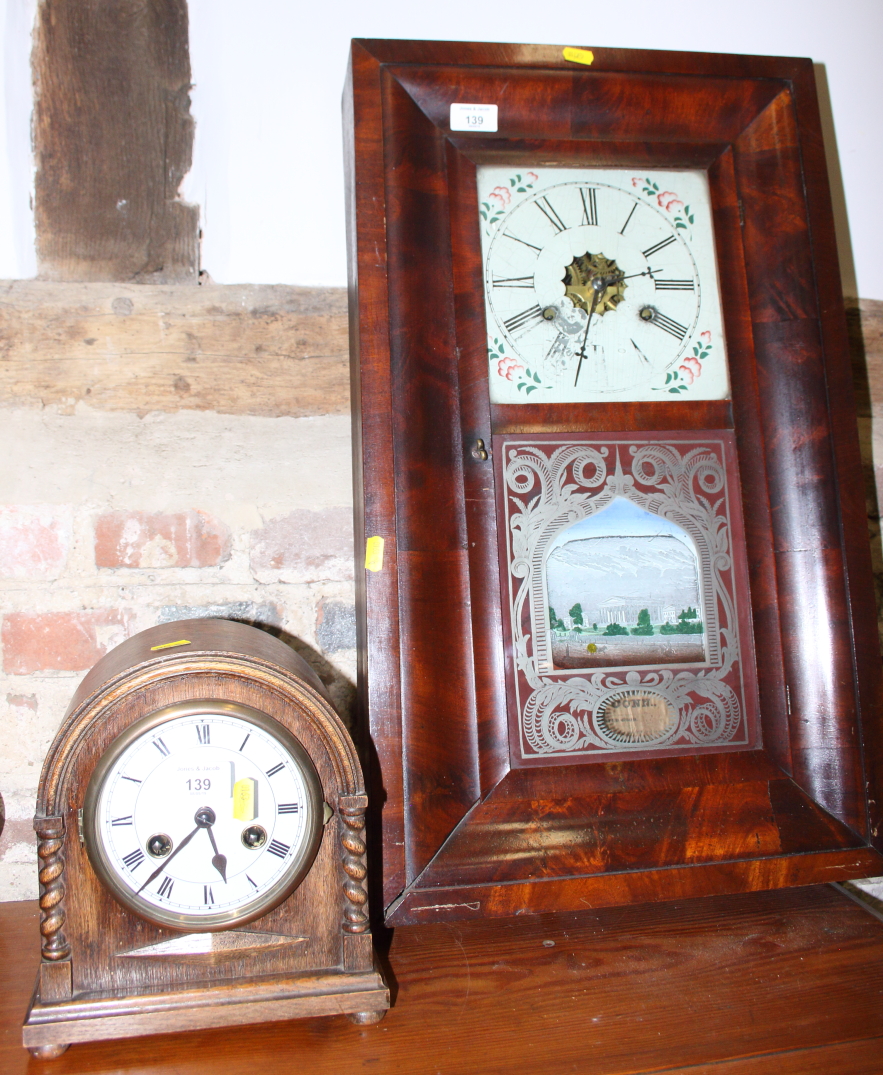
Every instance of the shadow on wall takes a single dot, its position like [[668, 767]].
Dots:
[[336, 631], [835, 180], [865, 327]]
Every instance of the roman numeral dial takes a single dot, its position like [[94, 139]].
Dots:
[[525, 320], [598, 284], [204, 816]]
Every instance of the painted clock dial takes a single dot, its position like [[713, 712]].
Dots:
[[600, 284], [203, 815]]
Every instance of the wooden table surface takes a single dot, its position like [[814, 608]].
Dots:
[[789, 982]]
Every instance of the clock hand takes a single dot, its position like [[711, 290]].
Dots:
[[640, 352], [646, 272], [598, 286], [166, 861], [219, 861], [204, 818], [582, 350]]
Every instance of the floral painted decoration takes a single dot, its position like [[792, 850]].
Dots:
[[510, 369], [667, 200], [500, 197], [679, 380]]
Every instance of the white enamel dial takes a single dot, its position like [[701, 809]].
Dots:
[[600, 284], [203, 815]]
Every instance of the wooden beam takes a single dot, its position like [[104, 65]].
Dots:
[[235, 349], [113, 138]]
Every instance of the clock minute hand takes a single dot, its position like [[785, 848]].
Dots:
[[599, 284], [166, 861]]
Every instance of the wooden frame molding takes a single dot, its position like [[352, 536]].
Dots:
[[463, 832]]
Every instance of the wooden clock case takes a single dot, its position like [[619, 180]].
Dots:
[[464, 831], [102, 974]]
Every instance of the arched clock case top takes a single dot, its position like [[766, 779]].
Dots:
[[294, 939]]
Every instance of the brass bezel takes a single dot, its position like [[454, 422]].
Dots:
[[265, 902]]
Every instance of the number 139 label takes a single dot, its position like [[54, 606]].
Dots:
[[473, 117]]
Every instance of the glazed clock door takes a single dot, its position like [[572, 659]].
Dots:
[[600, 284], [622, 644], [203, 815]]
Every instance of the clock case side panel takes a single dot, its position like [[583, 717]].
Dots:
[[861, 602], [91, 931], [377, 591], [820, 544], [832, 844], [439, 750]]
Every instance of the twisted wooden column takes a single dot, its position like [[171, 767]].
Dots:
[[50, 831], [351, 810]]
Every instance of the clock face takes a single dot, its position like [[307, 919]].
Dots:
[[600, 284], [203, 815]]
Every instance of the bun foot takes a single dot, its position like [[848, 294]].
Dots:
[[47, 1052], [366, 1018]]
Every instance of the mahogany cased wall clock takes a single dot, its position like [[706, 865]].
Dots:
[[621, 642], [202, 862]]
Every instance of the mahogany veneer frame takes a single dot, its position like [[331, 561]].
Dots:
[[463, 833]]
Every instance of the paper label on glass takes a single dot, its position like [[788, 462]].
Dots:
[[600, 285]]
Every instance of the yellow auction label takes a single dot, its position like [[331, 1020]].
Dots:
[[374, 554], [585, 56], [169, 645], [244, 799]]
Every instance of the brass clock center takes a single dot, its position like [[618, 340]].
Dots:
[[594, 281]]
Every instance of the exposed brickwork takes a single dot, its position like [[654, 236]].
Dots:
[[140, 539], [304, 546], [23, 701], [60, 641], [179, 452], [34, 541]]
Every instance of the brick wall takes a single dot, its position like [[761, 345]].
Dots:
[[124, 503]]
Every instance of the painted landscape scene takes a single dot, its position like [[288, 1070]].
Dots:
[[623, 589]]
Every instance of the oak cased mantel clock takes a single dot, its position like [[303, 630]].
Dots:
[[621, 643], [201, 841]]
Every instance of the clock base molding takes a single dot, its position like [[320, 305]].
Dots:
[[438, 903], [49, 1028]]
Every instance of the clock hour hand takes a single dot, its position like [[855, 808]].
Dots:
[[219, 861], [640, 352]]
